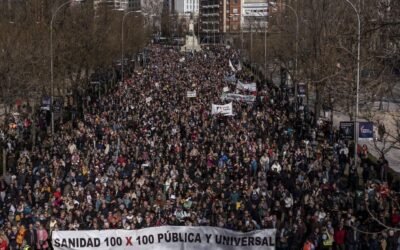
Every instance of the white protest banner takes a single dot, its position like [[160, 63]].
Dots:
[[230, 78], [182, 59], [231, 66], [222, 109], [149, 99], [191, 94], [165, 238], [225, 89], [238, 97], [252, 87]]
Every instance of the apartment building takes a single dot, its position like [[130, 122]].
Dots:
[[127, 4], [118, 4], [209, 19], [254, 15], [230, 16], [186, 6]]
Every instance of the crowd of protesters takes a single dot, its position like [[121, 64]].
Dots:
[[145, 155]]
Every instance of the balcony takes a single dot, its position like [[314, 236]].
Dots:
[[209, 14], [210, 30], [210, 6]]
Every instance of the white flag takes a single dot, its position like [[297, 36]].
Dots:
[[231, 65], [239, 66]]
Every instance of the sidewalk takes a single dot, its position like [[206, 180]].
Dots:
[[393, 155]]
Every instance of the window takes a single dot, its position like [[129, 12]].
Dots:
[[235, 11]]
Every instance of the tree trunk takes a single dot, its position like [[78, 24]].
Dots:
[[4, 160]]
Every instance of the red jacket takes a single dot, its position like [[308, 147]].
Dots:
[[3, 245], [339, 236], [395, 219]]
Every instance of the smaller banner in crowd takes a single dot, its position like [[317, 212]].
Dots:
[[231, 78], [346, 130], [366, 131], [191, 94], [165, 238], [238, 97], [225, 89], [149, 99], [225, 110], [252, 87]]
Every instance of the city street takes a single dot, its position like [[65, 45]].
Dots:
[[199, 125]]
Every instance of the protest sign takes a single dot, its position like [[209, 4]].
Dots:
[[222, 109], [191, 94]]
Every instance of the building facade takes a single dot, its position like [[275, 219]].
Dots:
[[124, 5], [254, 16], [107, 3], [230, 16], [209, 19], [186, 6], [127, 4]]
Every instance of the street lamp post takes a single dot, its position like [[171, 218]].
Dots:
[[358, 79], [297, 51], [265, 47], [52, 61], [213, 32], [297, 44], [230, 32], [251, 46], [122, 41]]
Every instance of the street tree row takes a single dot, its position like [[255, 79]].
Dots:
[[85, 38]]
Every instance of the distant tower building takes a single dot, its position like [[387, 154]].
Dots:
[[254, 14]]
